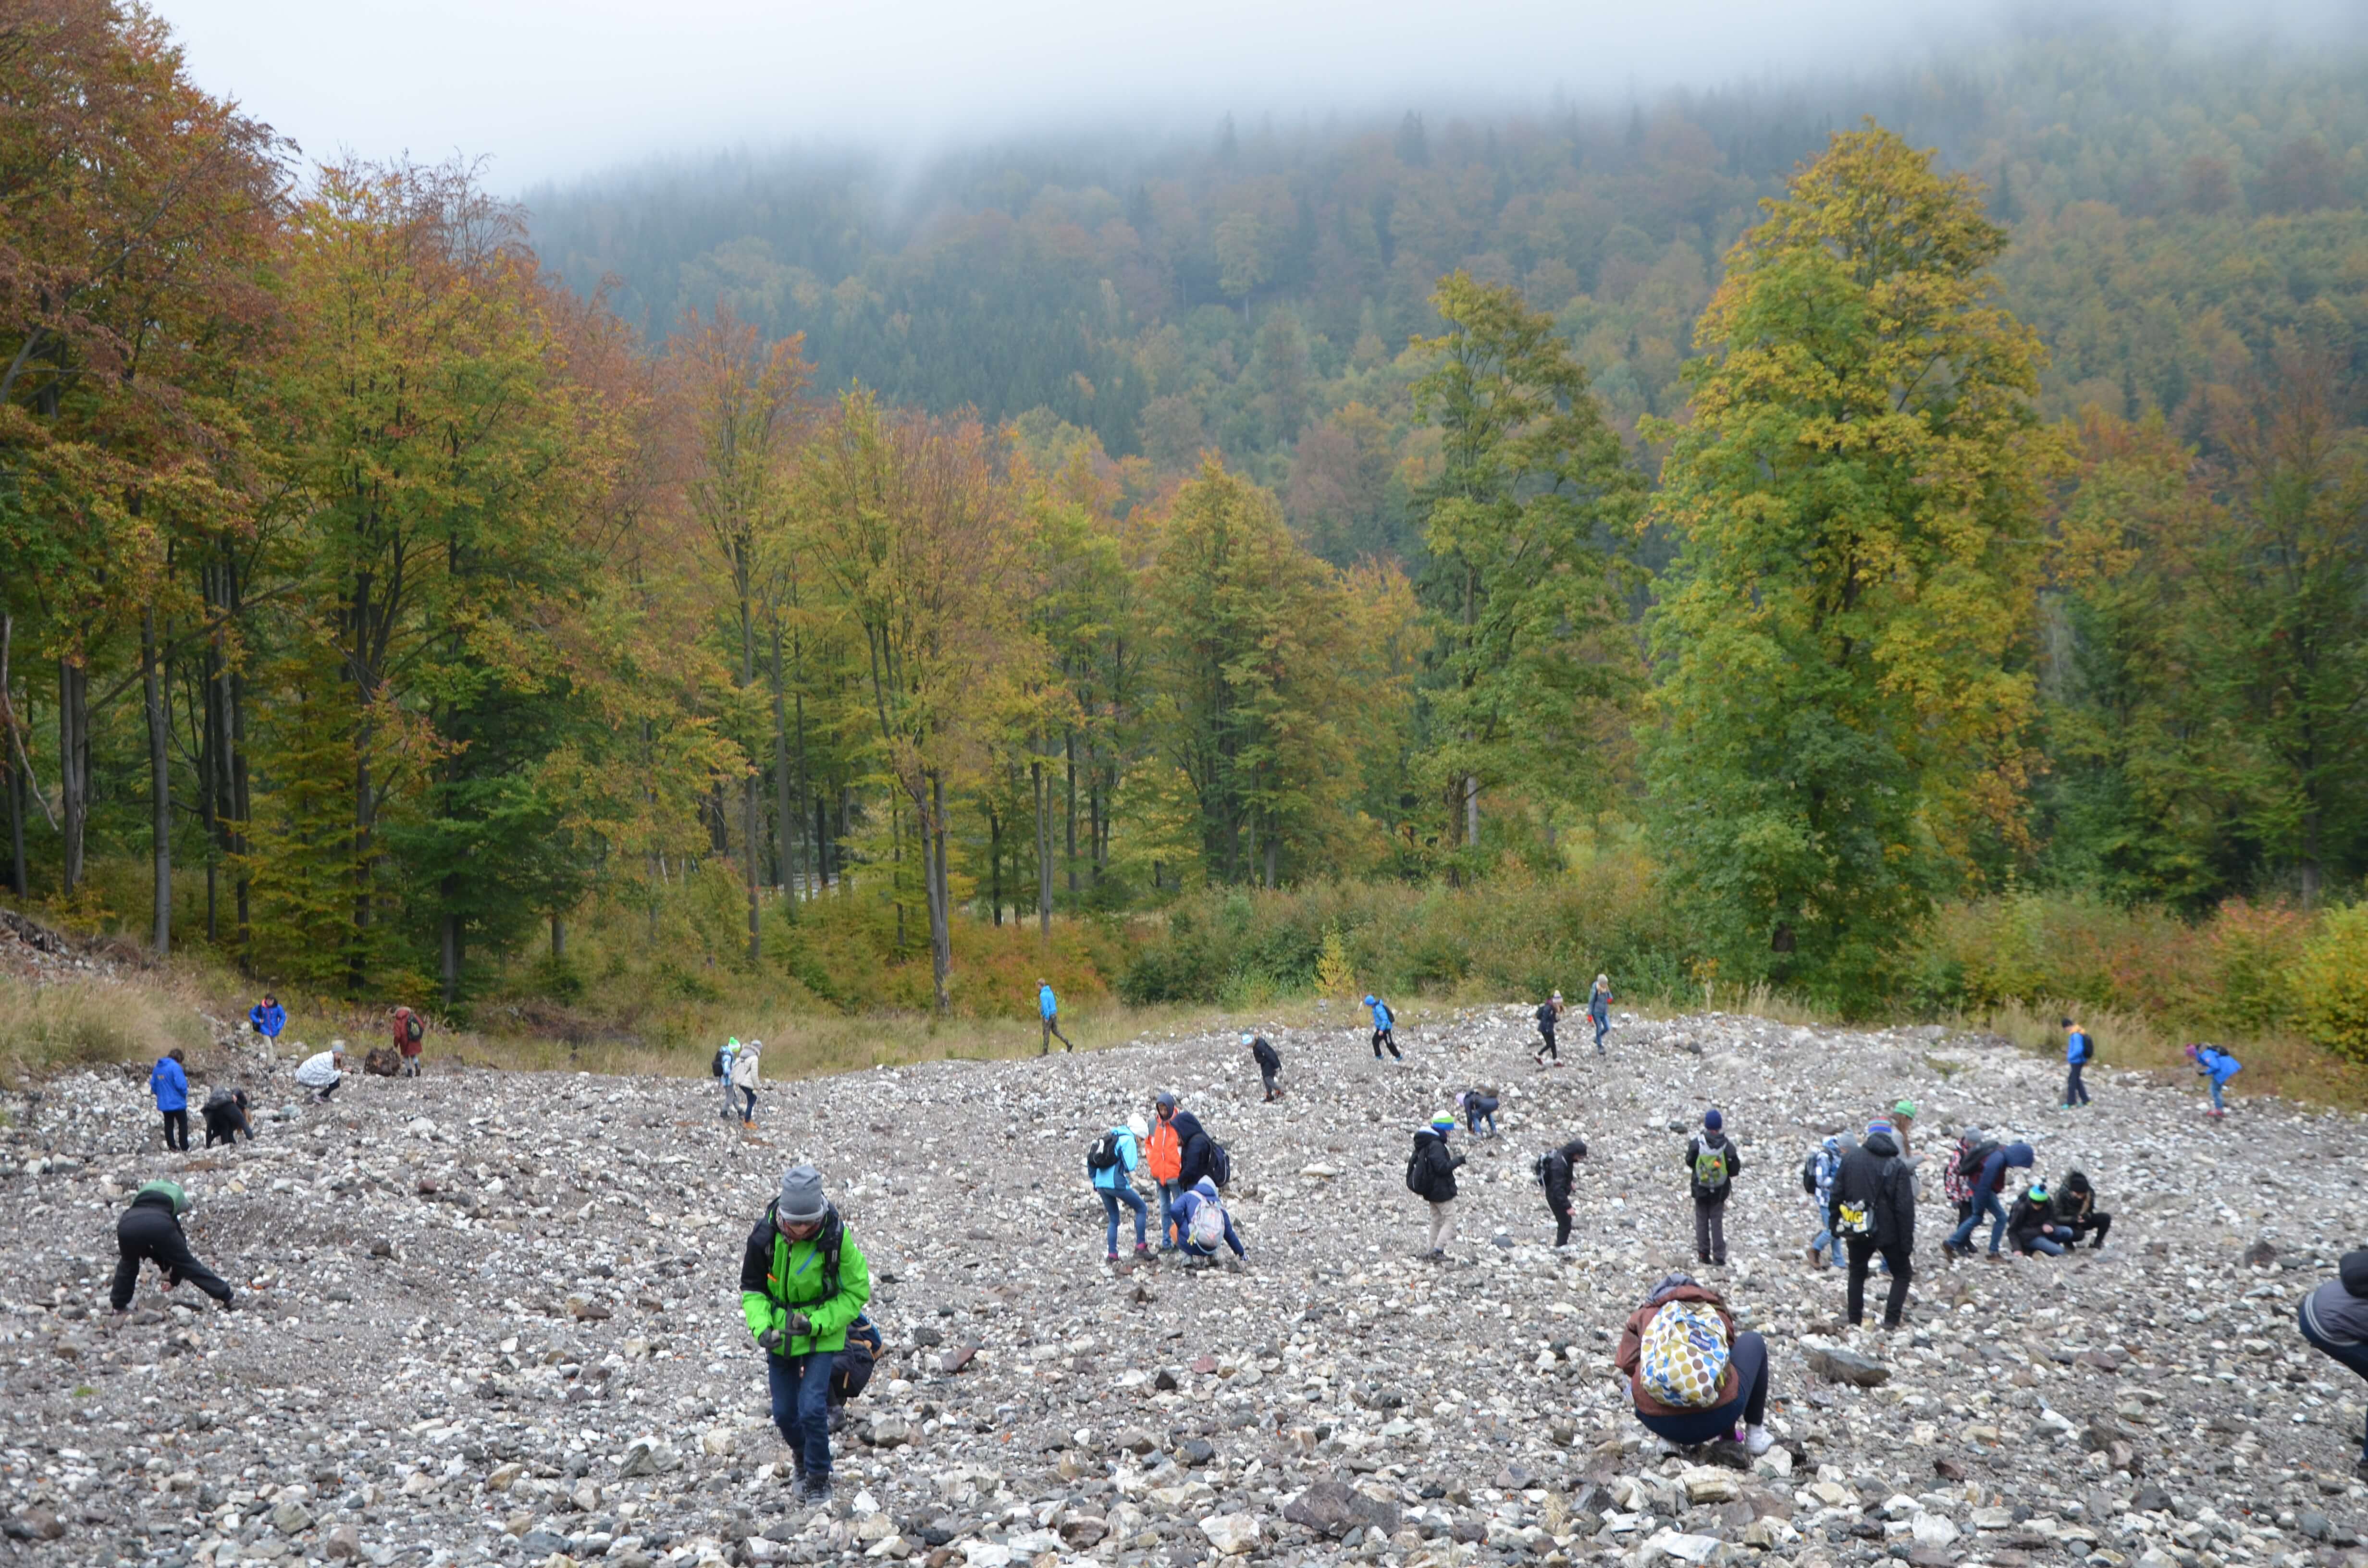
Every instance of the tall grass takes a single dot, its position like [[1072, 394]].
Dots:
[[50, 1028]]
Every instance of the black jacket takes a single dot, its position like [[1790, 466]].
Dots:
[[1263, 1050], [1558, 1172], [1872, 1174], [1719, 1142], [1191, 1148], [1434, 1166], [2025, 1217]]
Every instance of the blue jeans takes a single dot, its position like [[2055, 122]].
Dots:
[[1748, 1356], [749, 1113], [1603, 1028], [1111, 1197], [2352, 1356], [801, 1390], [2052, 1248], [2075, 1091], [1824, 1239], [1986, 1204], [2215, 1096]]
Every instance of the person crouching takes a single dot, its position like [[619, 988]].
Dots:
[[1693, 1378]]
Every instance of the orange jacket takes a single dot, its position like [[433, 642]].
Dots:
[[1165, 1159]]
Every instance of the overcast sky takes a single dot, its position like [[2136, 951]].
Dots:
[[551, 88]]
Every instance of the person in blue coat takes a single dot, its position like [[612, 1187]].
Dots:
[[2218, 1066], [2079, 1051], [267, 1017], [1988, 1182], [1598, 1009], [1048, 1008], [1385, 1029], [1189, 1203], [1114, 1184], [170, 1085]]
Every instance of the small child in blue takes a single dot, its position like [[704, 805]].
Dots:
[[2218, 1066], [1385, 1029]]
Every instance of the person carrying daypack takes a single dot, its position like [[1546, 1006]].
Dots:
[[267, 1017], [226, 1114], [2077, 1212], [1109, 1166], [727, 1055], [2079, 1051], [1262, 1051], [1554, 1173], [170, 1084], [1165, 1161], [1598, 1009], [1477, 1106], [1385, 1029], [747, 1072], [1872, 1208], [803, 1282], [1430, 1175], [1048, 1008], [1692, 1378], [409, 1030], [851, 1370], [150, 1231], [1549, 1015], [1957, 1177], [1201, 1218], [1987, 1164], [2216, 1066], [1713, 1162], [1817, 1182]]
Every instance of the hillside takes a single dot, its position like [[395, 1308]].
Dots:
[[494, 1317]]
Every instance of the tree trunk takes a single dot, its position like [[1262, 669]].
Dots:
[[786, 816], [995, 867], [1069, 748], [452, 946], [1270, 844], [1471, 811], [160, 785], [236, 780], [933, 846], [558, 937], [17, 874], [1043, 792], [751, 837], [74, 766]]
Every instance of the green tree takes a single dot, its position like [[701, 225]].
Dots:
[[1844, 637]]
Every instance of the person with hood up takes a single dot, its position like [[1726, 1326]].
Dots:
[[725, 1055], [1165, 1161], [2031, 1223], [1048, 1008], [322, 1071], [1873, 1210], [1430, 1175], [170, 1084], [150, 1231], [1549, 1015], [1713, 1162], [1202, 1222], [2334, 1320], [1554, 1173], [1477, 1106], [1192, 1149], [2079, 1051], [747, 1072], [2076, 1210], [226, 1114], [1817, 1181], [267, 1017], [1262, 1051], [1385, 1029], [1598, 1009], [1114, 1183], [2218, 1067], [1739, 1397], [1988, 1181], [409, 1030], [803, 1282]]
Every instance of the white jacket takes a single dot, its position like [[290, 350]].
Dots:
[[319, 1071], [745, 1068]]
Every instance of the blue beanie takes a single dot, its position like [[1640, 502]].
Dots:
[[1713, 1120]]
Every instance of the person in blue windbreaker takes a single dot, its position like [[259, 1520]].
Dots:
[[170, 1084], [1385, 1029], [2218, 1067], [1048, 1008], [2079, 1051], [1114, 1183], [267, 1017]]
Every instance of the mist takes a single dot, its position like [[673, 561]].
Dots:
[[549, 90]]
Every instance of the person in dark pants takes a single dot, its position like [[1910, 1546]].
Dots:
[[2075, 1211], [1554, 1173], [1742, 1387], [226, 1113], [1549, 1015], [150, 1231], [170, 1085], [2079, 1051], [1478, 1105], [2334, 1319], [1711, 1165], [1385, 1029], [1048, 1010], [1873, 1210], [803, 1282], [1269, 1063]]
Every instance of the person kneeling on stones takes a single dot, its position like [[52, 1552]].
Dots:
[[1201, 1218], [226, 1113], [150, 1231], [2334, 1319], [1873, 1210], [851, 1370], [803, 1281], [1692, 1377], [2031, 1225], [2076, 1212]]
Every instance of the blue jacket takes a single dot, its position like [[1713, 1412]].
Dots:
[[2076, 1046], [1994, 1169], [1130, 1155], [1599, 1007], [2217, 1065], [1047, 1005], [1381, 1018], [169, 1085], [1188, 1203], [268, 1019]]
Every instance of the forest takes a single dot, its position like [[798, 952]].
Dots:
[[1801, 523]]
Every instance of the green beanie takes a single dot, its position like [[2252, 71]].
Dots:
[[170, 1189]]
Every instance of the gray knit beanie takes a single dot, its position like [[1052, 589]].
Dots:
[[802, 1199]]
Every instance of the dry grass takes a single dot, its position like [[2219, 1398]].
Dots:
[[90, 1023], [2280, 1064]]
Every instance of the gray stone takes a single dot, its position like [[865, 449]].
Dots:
[[1333, 1508], [1840, 1366]]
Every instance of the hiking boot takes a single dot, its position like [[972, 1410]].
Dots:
[[1114, 1258], [813, 1492], [1142, 1249]]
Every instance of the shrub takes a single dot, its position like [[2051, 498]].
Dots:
[[2331, 983]]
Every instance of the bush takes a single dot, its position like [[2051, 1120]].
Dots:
[[2331, 983]]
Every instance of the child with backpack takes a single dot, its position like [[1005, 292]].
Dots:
[[727, 1055], [1385, 1029], [2218, 1067], [1711, 1165], [1430, 1175], [1269, 1063], [1549, 1015], [1817, 1181], [1693, 1378], [1201, 1218], [409, 1031], [226, 1114], [1109, 1166], [1477, 1106], [2079, 1051]]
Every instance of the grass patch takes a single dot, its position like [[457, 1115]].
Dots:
[[46, 1029], [2275, 1063]]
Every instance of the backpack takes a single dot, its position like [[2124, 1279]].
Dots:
[[412, 1029], [1208, 1226], [1546, 1015], [1103, 1154], [1419, 1174], [1538, 1170], [1221, 1165], [1809, 1173], [1971, 1165], [1710, 1168], [715, 1068], [1682, 1356]]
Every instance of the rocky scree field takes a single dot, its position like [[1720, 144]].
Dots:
[[494, 1317]]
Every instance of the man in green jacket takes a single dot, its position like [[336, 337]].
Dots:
[[803, 1280]]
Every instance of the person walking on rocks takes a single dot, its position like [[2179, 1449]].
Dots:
[[2334, 1320], [1598, 1009], [747, 1072], [170, 1085], [1202, 1224], [725, 1055], [1692, 1378], [410, 1030], [1873, 1210], [1111, 1166], [2079, 1051], [1430, 1175], [1166, 1162], [1555, 1173], [2075, 1211], [267, 1017], [1817, 1181], [150, 1231], [322, 1071], [1549, 1015], [1713, 1162], [2217, 1067], [1988, 1164], [803, 1282], [225, 1115], [1477, 1106], [1957, 1180], [1385, 1029], [1048, 1010], [1262, 1051]]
